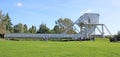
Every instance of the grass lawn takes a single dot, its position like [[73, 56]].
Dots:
[[98, 48]]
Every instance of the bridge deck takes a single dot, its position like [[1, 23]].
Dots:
[[42, 35]]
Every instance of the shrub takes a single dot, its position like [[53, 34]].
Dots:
[[113, 39]]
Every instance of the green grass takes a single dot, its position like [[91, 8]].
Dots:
[[98, 48]]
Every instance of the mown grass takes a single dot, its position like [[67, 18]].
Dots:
[[98, 48]]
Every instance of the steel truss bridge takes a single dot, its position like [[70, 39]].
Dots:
[[87, 24]]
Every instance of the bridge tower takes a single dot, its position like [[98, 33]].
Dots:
[[88, 23]]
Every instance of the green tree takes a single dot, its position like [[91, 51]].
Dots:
[[43, 29], [56, 29], [64, 24], [50, 31], [9, 27], [2, 24], [18, 28], [32, 29], [118, 36], [25, 28]]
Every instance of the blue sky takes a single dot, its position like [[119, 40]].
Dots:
[[35, 12]]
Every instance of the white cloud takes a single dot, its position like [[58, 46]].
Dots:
[[19, 4], [88, 10]]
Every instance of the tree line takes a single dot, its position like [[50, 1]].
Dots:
[[60, 26]]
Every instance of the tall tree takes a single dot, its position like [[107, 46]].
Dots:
[[56, 29], [32, 29], [18, 28], [2, 24], [64, 24], [43, 29], [25, 28], [9, 28]]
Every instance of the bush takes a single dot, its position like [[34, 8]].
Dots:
[[83, 39], [117, 37], [1, 35], [113, 39]]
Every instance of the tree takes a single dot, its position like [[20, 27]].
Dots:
[[18, 28], [2, 23], [32, 29], [5, 24], [25, 28], [9, 28], [118, 36], [43, 29], [64, 24], [56, 29], [2, 28]]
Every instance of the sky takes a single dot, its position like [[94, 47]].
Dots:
[[36, 12]]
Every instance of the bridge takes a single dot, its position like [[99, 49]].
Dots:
[[87, 24]]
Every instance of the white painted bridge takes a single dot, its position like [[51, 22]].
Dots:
[[87, 23], [42, 35]]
